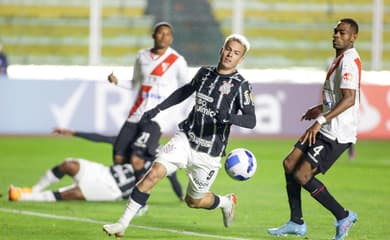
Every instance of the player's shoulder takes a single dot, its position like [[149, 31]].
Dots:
[[170, 50], [206, 69], [143, 52], [351, 59], [239, 78], [351, 54]]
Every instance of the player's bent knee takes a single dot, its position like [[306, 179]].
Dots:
[[70, 167], [288, 167], [302, 177], [153, 176]]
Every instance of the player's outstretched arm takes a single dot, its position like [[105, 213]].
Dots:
[[95, 137], [63, 132], [176, 97]]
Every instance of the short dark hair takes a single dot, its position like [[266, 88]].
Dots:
[[354, 25]]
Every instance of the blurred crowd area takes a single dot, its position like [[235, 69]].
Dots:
[[292, 33]]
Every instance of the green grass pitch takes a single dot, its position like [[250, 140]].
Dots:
[[362, 185]]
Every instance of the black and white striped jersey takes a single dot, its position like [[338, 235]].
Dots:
[[215, 93], [124, 177]]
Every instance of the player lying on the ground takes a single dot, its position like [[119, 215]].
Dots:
[[95, 137], [92, 182]]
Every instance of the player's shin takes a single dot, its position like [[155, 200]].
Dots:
[[136, 201], [294, 198], [46, 196], [51, 176], [319, 192]]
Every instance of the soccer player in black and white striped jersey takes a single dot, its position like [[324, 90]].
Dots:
[[96, 137], [92, 181], [222, 97]]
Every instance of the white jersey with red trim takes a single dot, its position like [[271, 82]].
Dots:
[[343, 73], [156, 77]]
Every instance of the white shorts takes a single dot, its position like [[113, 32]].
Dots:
[[202, 169], [96, 182]]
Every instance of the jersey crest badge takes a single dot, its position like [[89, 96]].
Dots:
[[226, 87]]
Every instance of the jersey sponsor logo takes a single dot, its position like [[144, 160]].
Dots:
[[247, 98], [201, 184], [205, 97], [145, 89], [202, 106], [198, 141], [226, 87], [161, 68], [151, 95], [347, 76]]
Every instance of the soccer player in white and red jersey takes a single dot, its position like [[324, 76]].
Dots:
[[333, 131], [158, 71], [223, 97]]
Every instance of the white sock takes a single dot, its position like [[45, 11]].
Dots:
[[46, 196], [224, 201], [130, 211], [46, 180]]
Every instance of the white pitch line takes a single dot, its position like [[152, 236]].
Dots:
[[88, 220]]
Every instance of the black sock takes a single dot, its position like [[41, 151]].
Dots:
[[139, 197], [139, 174], [319, 192], [56, 171], [176, 185], [294, 198], [216, 202], [57, 196]]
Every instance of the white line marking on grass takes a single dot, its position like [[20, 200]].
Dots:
[[88, 220]]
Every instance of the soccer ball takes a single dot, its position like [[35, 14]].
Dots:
[[240, 164]]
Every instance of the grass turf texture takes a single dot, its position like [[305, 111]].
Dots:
[[361, 185]]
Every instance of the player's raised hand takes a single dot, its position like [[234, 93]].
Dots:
[[63, 132], [112, 78]]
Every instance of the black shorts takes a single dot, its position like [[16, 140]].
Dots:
[[139, 139], [323, 153]]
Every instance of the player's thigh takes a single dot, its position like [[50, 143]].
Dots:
[[305, 172], [293, 159], [126, 136], [202, 171], [175, 154], [324, 152], [73, 193]]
